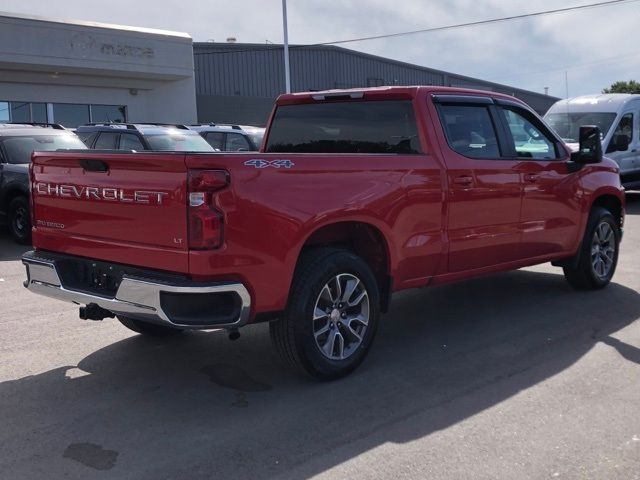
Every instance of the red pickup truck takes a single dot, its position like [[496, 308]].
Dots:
[[355, 194]]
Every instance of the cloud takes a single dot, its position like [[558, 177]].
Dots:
[[595, 46]]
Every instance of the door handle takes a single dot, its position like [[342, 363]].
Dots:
[[530, 177], [463, 180]]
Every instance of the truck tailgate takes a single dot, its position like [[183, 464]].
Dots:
[[119, 207]]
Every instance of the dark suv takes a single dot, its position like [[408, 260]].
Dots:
[[142, 136], [17, 142], [231, 138]]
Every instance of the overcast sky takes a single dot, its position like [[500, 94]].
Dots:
[[595, 46]]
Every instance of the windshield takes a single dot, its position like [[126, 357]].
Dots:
[[178, 142], [568, 124], [19, 149]]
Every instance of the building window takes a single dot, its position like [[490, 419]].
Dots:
[[4, 111], [23, 112], [20, 112], [68, 114], [71, 114], [39, 112], [108, 113]]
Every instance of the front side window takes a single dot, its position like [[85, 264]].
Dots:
[[469, 130], [625, 127], [19, 149], [528, 139], [378, 127]]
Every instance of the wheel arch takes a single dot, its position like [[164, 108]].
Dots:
[[362, 237], [10, 192], [612, 202]]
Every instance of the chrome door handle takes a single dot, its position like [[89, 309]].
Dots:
[[530, 177]]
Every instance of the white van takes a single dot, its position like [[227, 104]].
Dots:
[[617, 115]]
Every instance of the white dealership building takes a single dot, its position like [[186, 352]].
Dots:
[[74, 72]]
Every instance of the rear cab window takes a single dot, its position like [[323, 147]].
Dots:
[[373, 127]]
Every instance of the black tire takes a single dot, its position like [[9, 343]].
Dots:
[[150, 329], [583, 274], [20, 220], [296, 336]]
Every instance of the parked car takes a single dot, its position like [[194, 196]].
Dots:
[[17, 143], [231, 138], [142, 136], [360, 193], [617, 115]]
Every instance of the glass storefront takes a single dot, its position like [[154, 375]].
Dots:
[[70, 115]]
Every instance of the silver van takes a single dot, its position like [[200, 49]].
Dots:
[[617, 115]]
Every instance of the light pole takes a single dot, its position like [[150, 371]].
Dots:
[[287, 74]]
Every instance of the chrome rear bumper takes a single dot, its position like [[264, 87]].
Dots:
[[142, 299]]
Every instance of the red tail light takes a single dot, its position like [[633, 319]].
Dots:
[[206, 223]]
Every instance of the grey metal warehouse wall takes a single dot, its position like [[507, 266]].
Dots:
[[237, 83]]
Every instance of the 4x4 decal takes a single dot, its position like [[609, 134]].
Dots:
[[259, 163]]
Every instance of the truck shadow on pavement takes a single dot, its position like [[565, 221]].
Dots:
[[200, 406], [9, 250], [633, 203]]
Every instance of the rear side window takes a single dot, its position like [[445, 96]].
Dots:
[[215, 139], [237, 143], [129, 141], [345, 127], [470, 130]]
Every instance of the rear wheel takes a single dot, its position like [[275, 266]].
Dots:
[[20, 220], [332, 316], [147, 328], [598, 255]]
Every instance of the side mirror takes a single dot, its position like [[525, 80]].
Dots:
[[590, 150], [620, 143]]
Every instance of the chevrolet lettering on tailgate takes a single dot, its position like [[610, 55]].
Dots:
[[99, 193]]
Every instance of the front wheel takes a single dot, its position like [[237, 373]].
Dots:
[[598, 254], [332, 316], [20, 220], [149, 329]]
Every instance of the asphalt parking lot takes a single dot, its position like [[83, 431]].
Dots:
[[512, 376]]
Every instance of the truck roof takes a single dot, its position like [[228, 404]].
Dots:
[[603, 102], [26, 129], [373, 93]]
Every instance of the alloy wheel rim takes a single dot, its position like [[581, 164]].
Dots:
[[603, 250], [341, 316]]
